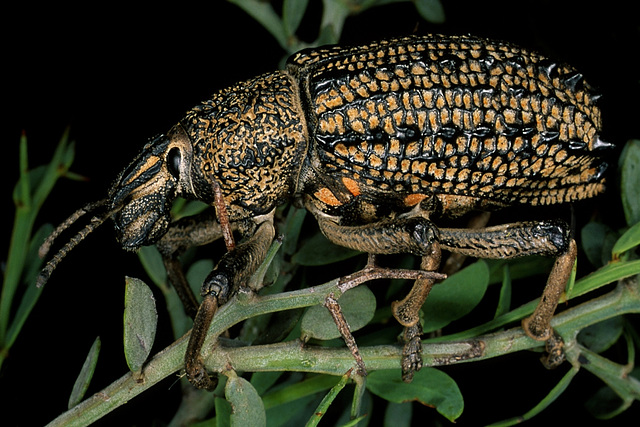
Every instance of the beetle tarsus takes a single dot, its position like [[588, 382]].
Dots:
[[411, 351]]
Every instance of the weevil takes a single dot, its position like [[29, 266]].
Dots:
[[377, 142]]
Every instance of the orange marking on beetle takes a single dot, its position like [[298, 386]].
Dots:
[[327, 197], [351, 185], [414, 199]]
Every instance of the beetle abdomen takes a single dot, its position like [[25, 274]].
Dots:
[[454, 116]]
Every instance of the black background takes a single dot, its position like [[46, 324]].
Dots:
[[116, 76]]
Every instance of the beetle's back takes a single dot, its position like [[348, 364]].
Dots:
[[454, 116]]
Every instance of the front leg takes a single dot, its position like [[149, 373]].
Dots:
[[185, 233], [233, 271]]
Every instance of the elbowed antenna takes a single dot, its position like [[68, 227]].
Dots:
[[95, 222]]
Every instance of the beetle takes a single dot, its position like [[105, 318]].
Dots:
[[377, 142]]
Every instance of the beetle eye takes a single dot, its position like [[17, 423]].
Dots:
[[173, 162]]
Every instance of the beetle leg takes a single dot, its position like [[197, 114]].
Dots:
[[343, 327], [416, 235], [548, 238], [413, 235], [538, 325], [187, 232], [234, 270]]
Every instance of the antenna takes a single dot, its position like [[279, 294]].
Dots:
[[95, 222]]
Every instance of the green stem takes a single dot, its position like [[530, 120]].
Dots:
[[293, 356]]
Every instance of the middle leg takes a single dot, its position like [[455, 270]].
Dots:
[[416, 235]]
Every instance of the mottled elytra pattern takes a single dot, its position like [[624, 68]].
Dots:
[[245, 137], [454, 116]]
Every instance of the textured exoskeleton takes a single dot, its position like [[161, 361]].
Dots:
[[376, 142]]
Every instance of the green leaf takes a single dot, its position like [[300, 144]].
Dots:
[[609, 273], [223, 412], [198, 271], [456, 296], [187, 208], [602, 335], [151, 260], [293, 225], [519, 268], [592, 237], [319, 250], [504, 302], [32, 266], [334, 13], [630, 181], [293, 412], [605, 404], [262, 381], [551, 397], [292, 14], [629, 240], [247, 407], [430, 387], [263, 13], [358, 306], [86, 373], [328, 400], [140, 321], [298, 390], [431, 10], [398, 414]]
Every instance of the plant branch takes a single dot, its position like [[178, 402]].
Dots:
[[294, 356]]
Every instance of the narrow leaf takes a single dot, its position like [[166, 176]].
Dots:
[[328, 400], [32, 266], [246, 404], [223, 412], [504, 303], [298, 390], [140, 321], [629, 240], [263, 13], [294, 221], [86, 373], [358, 306], [430, 387], [559, 388], [292, 13], [334, 13], [151, 260], [609, 273]]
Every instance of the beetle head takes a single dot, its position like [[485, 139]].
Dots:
[[143, 193]]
